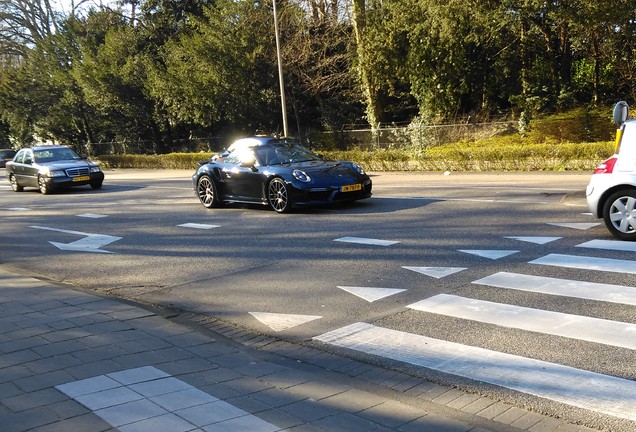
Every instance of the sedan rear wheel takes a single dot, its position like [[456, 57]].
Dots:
[[278, 196], [619, 214], [206, 191], [14, 184], [43, 186]]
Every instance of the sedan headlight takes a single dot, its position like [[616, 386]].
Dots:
[[301, 176], [49, 173], [95, 169], [357, 168]]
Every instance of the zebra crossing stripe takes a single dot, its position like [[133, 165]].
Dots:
[[561, 287], [576, 387], [616, 245], [596, 330], [588, 263]]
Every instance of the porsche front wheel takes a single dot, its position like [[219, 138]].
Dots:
[[207, 192], [278, 196]]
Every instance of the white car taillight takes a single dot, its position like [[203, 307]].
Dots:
[[606, 167]]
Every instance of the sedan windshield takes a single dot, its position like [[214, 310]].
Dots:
[[284, 153], [57, 154]]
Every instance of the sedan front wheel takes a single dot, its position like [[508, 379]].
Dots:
[[43, 186], [278, 196], [619, 214]]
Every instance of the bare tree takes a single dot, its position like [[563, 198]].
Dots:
[[23, 23]]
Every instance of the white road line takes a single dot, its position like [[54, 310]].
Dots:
[[596, 330], [587, 263], [576, 387], [561, 287], [535, 240], [616, 245], [198, 226], [366, 241]]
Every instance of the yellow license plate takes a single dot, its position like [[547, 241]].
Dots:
[[81, 178], [351, 188]]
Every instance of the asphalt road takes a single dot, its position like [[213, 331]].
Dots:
[[299, 276]]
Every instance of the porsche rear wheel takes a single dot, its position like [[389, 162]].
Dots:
[[619, 214], [278, 196], [206, 191]]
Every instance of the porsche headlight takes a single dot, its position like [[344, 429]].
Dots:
[[357, 168], [301, 176]]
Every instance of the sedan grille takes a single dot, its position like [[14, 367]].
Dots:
[[76, 172]]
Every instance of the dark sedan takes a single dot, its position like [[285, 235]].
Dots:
[[5, 156], [52, 167], [277, 172]]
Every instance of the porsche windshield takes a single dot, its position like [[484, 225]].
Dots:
[[284, 153]]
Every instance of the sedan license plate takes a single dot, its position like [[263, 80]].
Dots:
[[351, 188], [81, 178]]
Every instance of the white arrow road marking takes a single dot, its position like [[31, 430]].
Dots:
[[579, 226], [371, 294], [436, 272], [592, 391], [609, 245], [90, 242], [492, 254], [536, 240], [561, 287], [279, 322], [587, 263], [614, 333], [367, 241]]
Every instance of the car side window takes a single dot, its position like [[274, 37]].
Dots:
[[28, 157], [239, 156], [19, 157]]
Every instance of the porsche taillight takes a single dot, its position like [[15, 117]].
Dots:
[[606, 167]]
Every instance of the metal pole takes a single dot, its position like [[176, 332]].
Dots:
[[280, 71]]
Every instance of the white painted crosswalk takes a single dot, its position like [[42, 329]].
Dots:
[[588, 263], [561, 287], [554, 323], [577, 387]]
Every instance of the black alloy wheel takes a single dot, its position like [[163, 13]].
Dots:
[[206, 191], [278, 196]]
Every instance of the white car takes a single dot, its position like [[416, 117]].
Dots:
[[611, 193]]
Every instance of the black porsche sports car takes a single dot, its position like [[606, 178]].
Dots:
[[278, 172]]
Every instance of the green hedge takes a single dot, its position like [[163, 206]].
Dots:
[[486, 155]]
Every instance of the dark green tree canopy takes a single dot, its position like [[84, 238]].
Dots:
[[157, 72]]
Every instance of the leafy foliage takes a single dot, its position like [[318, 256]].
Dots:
[[165, 71]]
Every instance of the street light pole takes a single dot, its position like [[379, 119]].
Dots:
[[280, 71]]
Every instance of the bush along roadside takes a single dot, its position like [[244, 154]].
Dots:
[[462, 156]]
